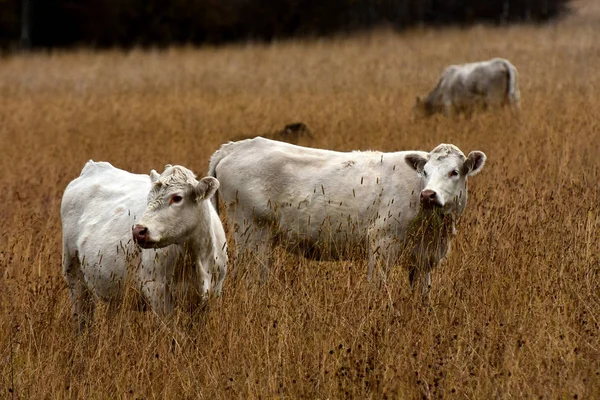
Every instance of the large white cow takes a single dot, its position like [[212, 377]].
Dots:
[[105, 211], [324, 204], [467, 87]]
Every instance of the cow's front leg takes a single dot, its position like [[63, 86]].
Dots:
[[421, 277], [219, 273], [468, 112], [157, 294], [253, 244], [383, 253], [204, 278], [261, 245], [448, 109]]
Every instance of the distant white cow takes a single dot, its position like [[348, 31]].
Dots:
[[180, 231], [324, 204], [467, 87]]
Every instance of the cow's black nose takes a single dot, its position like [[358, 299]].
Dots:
[[140, 233], [428, 195]]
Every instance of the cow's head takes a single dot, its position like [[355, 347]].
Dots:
[[445, 171], [174, 210], [292, 133], [422, 107]]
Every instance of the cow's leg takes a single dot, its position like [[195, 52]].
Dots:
[[468, 112], [449, 109], [204, 277], [374, 258], [221, 271], [383, 252], [158, 295], [211, 273], [261, 246], [253, 244], [239, 250], [421, 277], [515, 109], [83, 304]]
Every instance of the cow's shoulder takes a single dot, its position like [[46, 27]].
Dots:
[[92, 167], [498, 60], [451, 70], [252, 144]]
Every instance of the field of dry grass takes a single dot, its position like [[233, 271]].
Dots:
[[515, 308]]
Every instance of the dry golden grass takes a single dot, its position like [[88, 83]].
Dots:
[[515, 307]]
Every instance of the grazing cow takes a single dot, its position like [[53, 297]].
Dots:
[[466, 87], [180, 246], [325, 204], [294, 133]]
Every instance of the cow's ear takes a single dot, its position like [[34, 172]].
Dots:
[[206, 188], [167, 166], [416, 161], [154, 176], [474, 163]]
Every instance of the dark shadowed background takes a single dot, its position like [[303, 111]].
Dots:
[[106, 23]]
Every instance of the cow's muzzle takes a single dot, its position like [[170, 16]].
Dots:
[[430, 199], [141, 235]]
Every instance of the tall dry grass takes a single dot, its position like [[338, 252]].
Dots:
[[515, 307]]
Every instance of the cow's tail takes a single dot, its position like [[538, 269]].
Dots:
[[212, 171], [513, 96], [215, 159]]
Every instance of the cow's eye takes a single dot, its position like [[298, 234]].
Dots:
[[453, 173], [424, 174], [175, 199]]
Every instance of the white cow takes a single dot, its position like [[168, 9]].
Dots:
[[179, 230], [324, 204], [466, 87]]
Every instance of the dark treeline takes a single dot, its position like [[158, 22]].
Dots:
[[102, 23]]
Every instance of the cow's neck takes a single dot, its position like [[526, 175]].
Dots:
[[431, 234], [202, 236], [434, 222]]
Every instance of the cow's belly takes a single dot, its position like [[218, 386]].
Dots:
[[335, 234]]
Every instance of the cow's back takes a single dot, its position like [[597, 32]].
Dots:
[[491, 78]]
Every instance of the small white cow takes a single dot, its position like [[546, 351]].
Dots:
[[105, 211], [467, 87], [324, 204]]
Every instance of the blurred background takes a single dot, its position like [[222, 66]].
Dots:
[[107, 23]]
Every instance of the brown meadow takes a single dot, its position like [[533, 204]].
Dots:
[[515, 307]]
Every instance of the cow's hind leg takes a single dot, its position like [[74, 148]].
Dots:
[[83, 304], [420, 277], [515, 108]]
